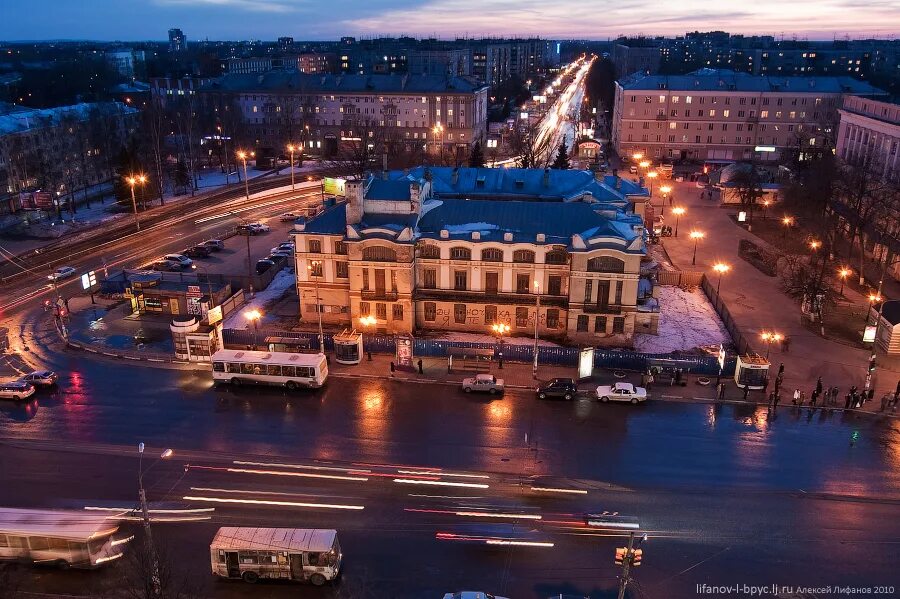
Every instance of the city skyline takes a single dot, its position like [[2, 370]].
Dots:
[[130, 20]]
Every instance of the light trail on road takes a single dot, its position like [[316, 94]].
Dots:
[[272, 502]]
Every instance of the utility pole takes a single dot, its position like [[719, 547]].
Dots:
[[627, 557], [537, 319], [155, 579]]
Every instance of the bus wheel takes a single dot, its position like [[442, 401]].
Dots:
[[250, 577], [291, 386], [62, 564], [317, 579], [236, 381]]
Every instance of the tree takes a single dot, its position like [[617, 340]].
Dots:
[[476, 158], [532, 147], [137, 576], [562, 158], [182, 178], [748, 186]]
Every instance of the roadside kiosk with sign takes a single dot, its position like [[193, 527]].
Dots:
[[751, 371], [348, 347]]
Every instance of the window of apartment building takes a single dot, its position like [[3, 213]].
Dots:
[[741, 114], [394, 280], [673, 125], [381, 311], [581, 323], [379, 253], [709, 139], [710, 126], [490, 314], [459, 280], [552, 318], [341, 270], [673, 113], [365, 279], [600, 324], [340, 247], [618, 324], [554, 285], [429, 278], [588, 290], [724, 126], [605, 264], [688, 99], [712, 113], [397, 311], [686, 125], [460, 253], [521, 317], [700, 113], [696, 139], [491, 282], [740, 127], [647, 99], [556, 257], [523, 256], [364, 308], [430, 310], [618, 293], [491, 255], [315, 246], [430, 251], [315, 268], [459, 313], [523, 283], [671, 139]]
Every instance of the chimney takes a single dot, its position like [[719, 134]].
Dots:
[[476, 235], [455, 177], [540, 238], [445, 234], [507, 237]]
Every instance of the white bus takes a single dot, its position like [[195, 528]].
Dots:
[[307, 554], [289, 370], [65, 538]]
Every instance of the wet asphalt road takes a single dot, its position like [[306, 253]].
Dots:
[[728, 494]]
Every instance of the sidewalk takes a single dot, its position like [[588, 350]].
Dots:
[[757, 304]]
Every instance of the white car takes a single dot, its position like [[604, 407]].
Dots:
[[16, 390], [63, 272], [180, 259], [260, 227], [471, 595], [284, 247], [621, 392], [485, 383]]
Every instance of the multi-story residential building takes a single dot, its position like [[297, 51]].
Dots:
[[317, 63], [723, 115], [328, 110], [459, 249], [637, 56], [286, 44], [124, 61], [61, 149], [177, 41], [452, 61]]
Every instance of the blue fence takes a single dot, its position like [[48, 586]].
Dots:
[[559, 356]]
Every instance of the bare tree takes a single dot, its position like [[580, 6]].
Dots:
[[533, 149], [748, 186], [155, 126], [137, 576]]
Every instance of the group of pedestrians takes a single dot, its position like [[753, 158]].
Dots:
[[828, 397]]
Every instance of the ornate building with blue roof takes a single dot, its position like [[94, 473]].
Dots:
[[461, 249]]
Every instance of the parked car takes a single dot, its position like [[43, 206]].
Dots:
[[557, 388], [485, 383], [263, 265], [471, 595], [621, 392], [245, 230], [41, 378], [16, 390], [180, 259], [214, 245], [63, 272], [287, 246], [197, 251], [283, 253], [165, 266], [260, 227], [288, 217], [278, 259]]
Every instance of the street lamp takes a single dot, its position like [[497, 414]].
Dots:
[[132, 181], [368, 321], [770, 338], [665, 189], [787, 221], [696, 236], [537, 317], [315, 271], [678, 211], [766, 204], [652, 175], [500, 328], [155, 579], [844, 272], [242, 155], [637, 155], [254, 316], [721, 268], [291, 149], [644, 164], [438, 128]]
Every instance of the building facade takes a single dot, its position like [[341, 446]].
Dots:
[[870, 131], [728, 116], [177, 41], [330, 110], [444, 249], [317, 62]]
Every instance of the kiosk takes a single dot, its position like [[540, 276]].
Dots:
[[348, 347], [751, 371]]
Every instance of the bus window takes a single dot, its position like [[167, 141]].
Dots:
[[248, 557], [95, 545], [221, 556], [282, 559], [39, 543], [219, 366], [247, 368], [17, 542], [312, 559], [3, 542], [58, 544], [233, 367], [259, 369], [288, 371], [274, 370]]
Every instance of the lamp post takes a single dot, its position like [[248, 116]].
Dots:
[[291, 149], [652, 175], [155, 579], [132, 181], [665, 189], [766, 204], [787, 221], [696, 236], [874, 298], [243, 156], [721, 268], [537, 317], [436, 130], [678, 211], [315, 271], [637, 156], [844, 272], [770, 338], [500, 328], [254, 316], [368, 321]]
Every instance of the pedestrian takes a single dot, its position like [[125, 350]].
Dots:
[[847, 401], [771, 400], [802, 398], [746, 391], [650, 379], [834, 395], [421, 371], [777, 399], [720, 393], [392, 368], [870, 395], [884, 401], [819, 387], [814, 396], [765, 385], [796, 400]]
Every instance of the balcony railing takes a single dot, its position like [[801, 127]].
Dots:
[[485, 297], [369, 294]]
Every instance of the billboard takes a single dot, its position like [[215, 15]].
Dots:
[[334, 186]]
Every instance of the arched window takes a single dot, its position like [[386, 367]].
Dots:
[[460, 253], [430, 251], [557, 257], [379, 253], [523, 256], [491, 255], [605, 264]]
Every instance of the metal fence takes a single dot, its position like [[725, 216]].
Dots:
[[679, 278], [558, 356], [741, 344]]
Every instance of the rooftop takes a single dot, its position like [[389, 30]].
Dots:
[[282, 81], [726, 80], [16, 119]]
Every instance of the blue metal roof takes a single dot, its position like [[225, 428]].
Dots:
[[381, 189], [727, 80], [331, 221]]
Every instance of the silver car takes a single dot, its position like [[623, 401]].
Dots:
[[41, 378], [485, 383]]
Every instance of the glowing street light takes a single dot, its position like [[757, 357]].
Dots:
[[500, 328], [666, 190], [254, 316], [766, 204], [132, 181], [155, 579], [637, 155], [844, 272], [787, 221], [291, 148], [242, 155], [769, 339], [678, 211], [644, 164], [315, 271], [721, 268], [696, 236], [652, 175]]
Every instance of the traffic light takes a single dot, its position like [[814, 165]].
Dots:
[[636, 557], [620, 555]]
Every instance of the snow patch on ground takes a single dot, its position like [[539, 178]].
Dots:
[[283, 281], [686, 320], [478, 338]]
